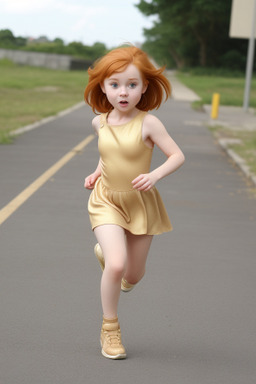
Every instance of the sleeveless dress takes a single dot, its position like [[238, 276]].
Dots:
[[124, 156]]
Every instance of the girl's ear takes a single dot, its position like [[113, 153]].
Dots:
[[145, 87], [102, 87]]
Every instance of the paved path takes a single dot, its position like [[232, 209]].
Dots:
[[180, 91], [234, 118], [191, 320]]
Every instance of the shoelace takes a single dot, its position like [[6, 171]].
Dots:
[[113, 337]]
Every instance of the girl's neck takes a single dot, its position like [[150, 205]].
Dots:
[[116, 117]]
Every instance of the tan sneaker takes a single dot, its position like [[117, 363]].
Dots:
[[99, 254], [110, 340], [125, 286]]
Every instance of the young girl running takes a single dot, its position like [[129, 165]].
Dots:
[[125, 208]]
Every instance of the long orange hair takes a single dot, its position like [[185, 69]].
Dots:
[[117, 60]]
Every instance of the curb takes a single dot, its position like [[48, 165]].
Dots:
[[46, 120], [224, 143]]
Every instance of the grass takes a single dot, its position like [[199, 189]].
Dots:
[[247, 148], [231, 89], [5, 137], [247, 151], [28, 94]]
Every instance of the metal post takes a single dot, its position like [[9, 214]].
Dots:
[[215, 105], [250, 57]]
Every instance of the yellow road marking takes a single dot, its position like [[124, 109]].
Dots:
[[14, 204]]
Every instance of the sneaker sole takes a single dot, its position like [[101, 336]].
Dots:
[[126, 289], [120, 356]]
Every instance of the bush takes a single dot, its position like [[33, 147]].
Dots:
[[210, 71], [233, 60]]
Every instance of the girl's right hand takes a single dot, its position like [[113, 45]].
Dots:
[[90, 181]]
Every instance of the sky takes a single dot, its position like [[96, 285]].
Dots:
[[112, 22]]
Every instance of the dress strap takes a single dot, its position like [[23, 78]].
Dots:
[[103, 117]]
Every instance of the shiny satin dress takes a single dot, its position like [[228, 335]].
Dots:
[[124, 156]]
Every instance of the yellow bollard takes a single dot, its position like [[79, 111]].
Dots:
[[215, 105]]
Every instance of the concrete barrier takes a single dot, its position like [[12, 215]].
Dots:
[[46, 60]]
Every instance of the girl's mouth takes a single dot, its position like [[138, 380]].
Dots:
[[123, 102]]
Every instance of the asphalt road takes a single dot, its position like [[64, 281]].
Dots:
[[192, 318]]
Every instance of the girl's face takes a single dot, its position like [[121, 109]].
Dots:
[[124, 89]]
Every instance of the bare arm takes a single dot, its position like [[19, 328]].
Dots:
[[91, 179], [155, 132]]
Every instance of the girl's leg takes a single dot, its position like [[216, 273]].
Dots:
[[137, 251], [113, 244]]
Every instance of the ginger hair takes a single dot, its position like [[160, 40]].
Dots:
[[117, 60]]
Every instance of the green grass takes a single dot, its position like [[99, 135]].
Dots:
[[248, 152], [28, 94], [247, 148], [231, 89]]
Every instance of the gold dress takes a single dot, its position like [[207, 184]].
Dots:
[[124, 156]]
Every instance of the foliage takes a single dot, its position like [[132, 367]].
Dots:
[[8, 40], [42, 44], [212, 72], [192, 33]]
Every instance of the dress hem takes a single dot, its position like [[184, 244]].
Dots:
[[133, 232]]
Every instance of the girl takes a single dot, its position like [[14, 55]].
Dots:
[[125, 208]]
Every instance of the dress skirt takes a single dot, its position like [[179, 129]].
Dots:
[[139, 212]]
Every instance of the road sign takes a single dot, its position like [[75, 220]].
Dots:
[[243, 25], [241, 19]]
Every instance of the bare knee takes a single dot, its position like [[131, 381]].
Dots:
[[116, 271], [141, 275], [135, 278], [116, 267]]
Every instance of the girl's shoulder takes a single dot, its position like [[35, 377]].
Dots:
[[152, 127], [96, 121], [151, 122], [150, 119]]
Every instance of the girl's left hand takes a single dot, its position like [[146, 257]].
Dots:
[[144, 182], [90, 181]]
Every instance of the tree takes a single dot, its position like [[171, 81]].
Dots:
[[191, 32], [58, 41], [20, 41], [6, 38]]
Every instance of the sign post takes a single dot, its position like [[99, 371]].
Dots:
[[243, 25], [249, 65]]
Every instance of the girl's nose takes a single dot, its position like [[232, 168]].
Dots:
[[123, 91]]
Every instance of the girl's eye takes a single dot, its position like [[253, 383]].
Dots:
[[132, 85], [114, 85]]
